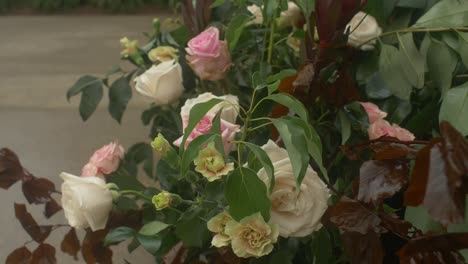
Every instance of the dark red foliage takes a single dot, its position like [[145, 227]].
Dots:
[[20, 255], [363, 248], [37, 232], [93, 249], [381, 179], [434, 249], [11, 170], [44, 254], [70, 244], [351, 216], [384, 150], [38, 190], [197, 17], [51, 207]]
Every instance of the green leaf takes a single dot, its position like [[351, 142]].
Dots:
[[192, 151], [197, 112], [296, 144], [463, 50], [235, 28], [152, 228], [217, 3], [216, 129], [322, 246], [269, 10], [115, 69], [281, 75], [192, 229], [419, 217], [90, 98], [446, 13], [290, 102], [120, 93], [150, 243], [118, 234], [391, 72], [265, 160], [82, 83], [441, 64], [412, 63], [126, 182], [454, 108], [345, 126], [246, 194]]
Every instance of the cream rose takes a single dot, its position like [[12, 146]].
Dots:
[[296, 212], [362, 28], [289, 17], [162, 83], [86, 201], [217, 225], [230, 106]]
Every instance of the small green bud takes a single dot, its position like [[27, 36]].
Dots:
[[156, 26], [162, 200], [160, 145]]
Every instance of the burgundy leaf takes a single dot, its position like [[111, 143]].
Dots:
[[227, 256], [381, 179], [327, 14], [351, 216], [38, 190], [20, 255], [414, 195], [71, 244], [38, 233], [397, 226], [44, 254], [93, 249], [11, 170], [384, 150], [363, 248], [51, 207], [176, 255], [441, 248]]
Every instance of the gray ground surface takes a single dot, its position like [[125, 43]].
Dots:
[[40, 57]]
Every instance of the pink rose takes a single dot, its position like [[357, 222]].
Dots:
[[403, 134], [228, 131], [208, 56], [380, 128], [90, 170], [106, 159], [373, 112]]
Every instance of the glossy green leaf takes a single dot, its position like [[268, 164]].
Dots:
[[391, 72], [265, 160], [454, 108], [82, 83], [296, 144], [412, 62], [446, 13], [118, 234], [192, 229], [463, 50], [281, 75], [193, 149], [345, 127], [441, 63], [235, 28], [90, 98], [246, 194], [120, 94], [150, 243], [197, 112], [152, 228], [290, 102]]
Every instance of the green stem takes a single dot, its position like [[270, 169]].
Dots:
[[413, 30], [272, 34], [260, 126], [135, 193]]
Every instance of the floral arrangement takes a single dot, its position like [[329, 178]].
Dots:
[[326, 131]]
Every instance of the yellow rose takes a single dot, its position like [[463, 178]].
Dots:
[[162, 54], [210, 163], [252, 236], [217, 225]]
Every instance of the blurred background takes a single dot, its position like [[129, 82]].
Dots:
[[45, 46]]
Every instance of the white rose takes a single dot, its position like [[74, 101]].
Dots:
[[230, 106], [296, 212], [86, 201], [162, 83], [290, 17], [257, 12], [363, 31]]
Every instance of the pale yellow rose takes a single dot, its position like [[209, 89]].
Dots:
[[296, 212], [252, 236], [210, 163], [162, 54], [217, 225], [129, 47]]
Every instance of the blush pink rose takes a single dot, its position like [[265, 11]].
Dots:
[[90, 170], [403, 134], [228, 131], [106, 159], [208, 56], [380, 128], [373, 112]]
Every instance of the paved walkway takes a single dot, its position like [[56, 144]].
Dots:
[[40, 57]]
